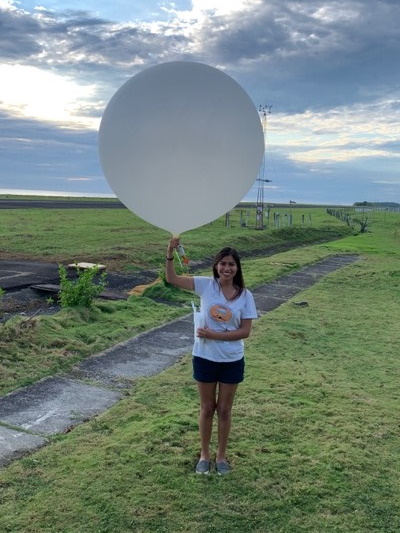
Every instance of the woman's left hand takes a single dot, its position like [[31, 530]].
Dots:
[[232, 335], [203, 333]]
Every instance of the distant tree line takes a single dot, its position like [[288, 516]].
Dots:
[[376, 204]]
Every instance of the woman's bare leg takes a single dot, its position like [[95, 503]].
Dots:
[[226, 395], [207, 392]]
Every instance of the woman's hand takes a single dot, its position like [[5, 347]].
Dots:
[[234, 335], [203, 333], [173, 244], [183, 282]]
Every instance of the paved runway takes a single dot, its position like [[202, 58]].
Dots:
[[60, 204], [20, 274]]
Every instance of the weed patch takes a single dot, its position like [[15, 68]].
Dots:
[[81, 292]]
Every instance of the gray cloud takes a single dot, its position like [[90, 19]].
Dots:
[[340, 51], [90, 49], [312, 54], [296, 55], [19, 36], [31, 151], [60, 37]]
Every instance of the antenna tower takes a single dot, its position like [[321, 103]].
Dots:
[[263, 112]]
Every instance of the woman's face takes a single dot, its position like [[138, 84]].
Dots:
[[227, 268]]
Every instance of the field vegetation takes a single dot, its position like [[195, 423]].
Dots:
[[37, 347], [122, 241], [315, 443]]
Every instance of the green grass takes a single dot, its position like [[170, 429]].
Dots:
[[38, 347], [315, 441], [122, 241], [32, 349]]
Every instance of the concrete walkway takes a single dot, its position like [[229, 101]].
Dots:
[[29, 416]]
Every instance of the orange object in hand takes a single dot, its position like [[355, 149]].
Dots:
[[182, 254]]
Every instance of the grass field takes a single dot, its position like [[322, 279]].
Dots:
[[315, 442], [121, 240], [34, 349]]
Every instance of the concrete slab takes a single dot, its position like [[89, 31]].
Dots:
[[272, 295], [321, 270], [14, 444], [266, 303], [144, 355], [54, 405], [15, 274], [278, 291], [301, 279], [330, 264]]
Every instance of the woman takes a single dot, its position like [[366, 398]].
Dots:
[[218, 352]]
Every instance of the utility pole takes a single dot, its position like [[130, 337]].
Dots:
[[263, 112], [290, 212]]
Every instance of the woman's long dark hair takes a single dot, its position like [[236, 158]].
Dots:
[[238, 280]]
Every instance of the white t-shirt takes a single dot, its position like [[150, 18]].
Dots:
[[220, 314]]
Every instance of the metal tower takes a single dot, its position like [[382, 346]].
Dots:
[[263, 112]]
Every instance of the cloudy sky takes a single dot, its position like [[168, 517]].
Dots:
[[329, 69]]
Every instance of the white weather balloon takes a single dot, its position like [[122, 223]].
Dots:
[[180, 144]]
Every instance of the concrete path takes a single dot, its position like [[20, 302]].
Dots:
[[29, 416]]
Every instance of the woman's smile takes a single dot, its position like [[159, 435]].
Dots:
[[227, 267]]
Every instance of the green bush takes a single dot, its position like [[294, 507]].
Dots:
[[82, 291]]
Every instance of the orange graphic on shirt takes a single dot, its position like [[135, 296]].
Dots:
[[220, 313]]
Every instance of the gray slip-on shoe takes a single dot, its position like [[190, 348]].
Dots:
[[223, 468], [203, 467]]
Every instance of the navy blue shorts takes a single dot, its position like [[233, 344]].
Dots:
[[207, 371]]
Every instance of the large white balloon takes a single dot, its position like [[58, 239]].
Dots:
[[180, 144]]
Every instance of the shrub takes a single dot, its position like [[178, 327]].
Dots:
[[82, 291]]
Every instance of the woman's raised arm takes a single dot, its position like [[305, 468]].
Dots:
[[183, 282]]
